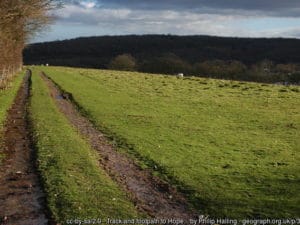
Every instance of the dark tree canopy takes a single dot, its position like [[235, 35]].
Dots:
[[98, 51], [256, 59]]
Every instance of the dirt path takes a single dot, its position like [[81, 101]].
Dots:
[[150, 194], [21, 197]]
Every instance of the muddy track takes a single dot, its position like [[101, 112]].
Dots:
[[22, 201], [149, 193]]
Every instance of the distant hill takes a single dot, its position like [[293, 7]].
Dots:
[[97, 52]]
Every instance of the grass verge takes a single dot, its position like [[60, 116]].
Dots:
[[76, 187]]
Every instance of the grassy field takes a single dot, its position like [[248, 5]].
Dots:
[[76, 187], [232, 146], [6, 99]]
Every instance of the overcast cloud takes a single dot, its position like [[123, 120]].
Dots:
[[244, 18], [267, 7]]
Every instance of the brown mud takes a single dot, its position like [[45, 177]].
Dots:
[[22, 201], [149, 193]]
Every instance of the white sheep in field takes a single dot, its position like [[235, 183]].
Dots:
[[180, 75]]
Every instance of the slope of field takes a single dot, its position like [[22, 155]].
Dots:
[[75, 185], [233, 147], [6, 99]]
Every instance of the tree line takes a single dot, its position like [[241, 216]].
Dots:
[[264, 71], [19, 20], [252, 59]]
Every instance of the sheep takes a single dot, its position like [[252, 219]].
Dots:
[[180, 75]]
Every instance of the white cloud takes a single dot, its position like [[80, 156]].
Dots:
[[139, 21], [289, 32], [89, 15], [88, 5]]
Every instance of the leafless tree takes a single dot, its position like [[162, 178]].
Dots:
[[19, 21]]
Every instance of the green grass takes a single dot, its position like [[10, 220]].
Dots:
[[76, 187], [232, 146], [7, 97]]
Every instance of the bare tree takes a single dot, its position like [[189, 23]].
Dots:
[[19, 21]]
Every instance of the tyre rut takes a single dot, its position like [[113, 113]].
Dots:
[[22, 201], [149, 193]]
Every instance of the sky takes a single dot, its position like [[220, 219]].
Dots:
[[234, 18]]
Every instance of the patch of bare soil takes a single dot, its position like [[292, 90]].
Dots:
[[21, 197], [150, 194]]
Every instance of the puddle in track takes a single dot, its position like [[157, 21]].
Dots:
[[149, 193]]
